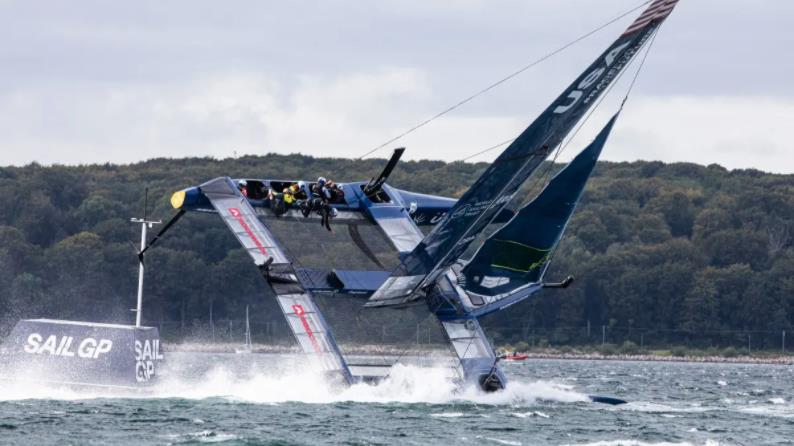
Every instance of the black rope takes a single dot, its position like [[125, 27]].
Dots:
[[543, 176], [488, 149], [642, 63], [562, 147], [504, 79]]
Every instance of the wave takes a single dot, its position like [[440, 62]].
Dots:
[[643, 443]]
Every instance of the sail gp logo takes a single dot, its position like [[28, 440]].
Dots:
[[591, 78], [88, 348], [146, 353]]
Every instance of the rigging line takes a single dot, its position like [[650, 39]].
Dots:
[[396, 361], [563, 146], [642, 63], [381, 355], [488, 149], [504, 79], [400, 356], [609, 88], [625, 98], [649, 44], [544, 176], [294, 260]]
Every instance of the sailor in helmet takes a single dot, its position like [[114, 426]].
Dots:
[[243, 186], [319, 185], [319, 202]]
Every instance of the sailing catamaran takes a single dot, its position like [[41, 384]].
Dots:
[[508, 267]]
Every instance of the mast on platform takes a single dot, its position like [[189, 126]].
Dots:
[[144, 225]]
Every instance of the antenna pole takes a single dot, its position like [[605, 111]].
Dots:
[[144, 225]]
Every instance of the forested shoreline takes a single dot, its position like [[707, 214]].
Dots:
[[669, 249]]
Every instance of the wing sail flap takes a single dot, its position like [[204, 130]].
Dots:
[[501, 180], [518, 254]]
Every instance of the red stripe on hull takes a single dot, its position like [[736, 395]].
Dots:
[[240, 219], [301, 313]]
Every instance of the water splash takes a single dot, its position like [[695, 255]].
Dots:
[[297, 382], [405, 384]]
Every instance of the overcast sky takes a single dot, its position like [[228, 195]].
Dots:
[[95, 82]]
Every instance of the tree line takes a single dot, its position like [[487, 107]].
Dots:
[[653, 246]]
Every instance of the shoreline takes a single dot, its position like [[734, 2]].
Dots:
[[773, 360], [379, 350]]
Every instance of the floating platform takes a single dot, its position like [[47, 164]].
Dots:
[[82, 353]]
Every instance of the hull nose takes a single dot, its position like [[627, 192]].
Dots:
[[185, 198]]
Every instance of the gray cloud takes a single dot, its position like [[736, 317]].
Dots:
[[98, 81]]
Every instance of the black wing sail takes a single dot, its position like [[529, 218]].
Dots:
[[518, 254], [496, 186]]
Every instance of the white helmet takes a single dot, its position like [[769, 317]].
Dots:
[[242, 183]]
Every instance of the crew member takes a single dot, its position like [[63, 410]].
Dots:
[[289, 197], [333, 192], [243, 186], [319, 189], [278, 203], [319, 202]]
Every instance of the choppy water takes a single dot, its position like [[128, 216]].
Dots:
[[225, 399]]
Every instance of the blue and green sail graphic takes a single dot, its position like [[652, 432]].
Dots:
[[519, 252]]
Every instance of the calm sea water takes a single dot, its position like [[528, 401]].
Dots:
[[272, 400]]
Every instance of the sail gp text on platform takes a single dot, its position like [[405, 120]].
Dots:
[[65, 346]]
